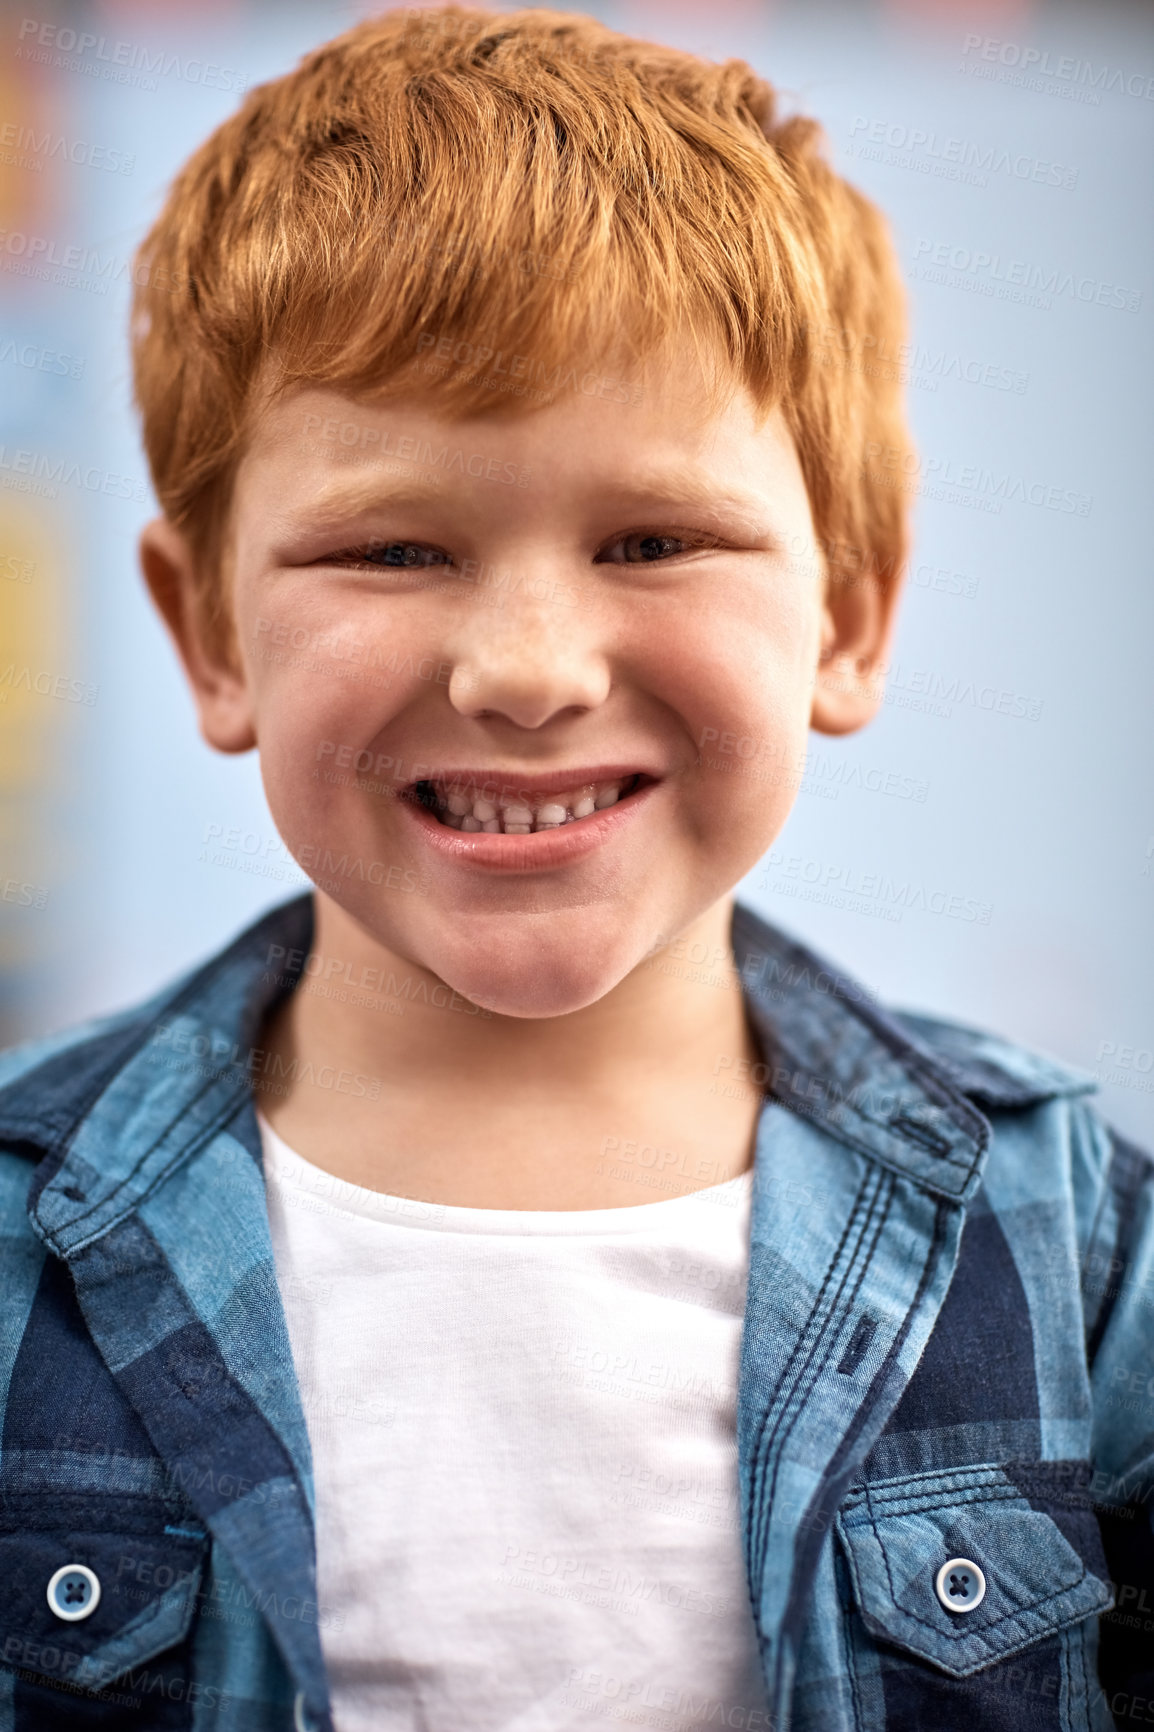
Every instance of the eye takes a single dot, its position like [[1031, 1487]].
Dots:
[[392, 554], [645, 547]]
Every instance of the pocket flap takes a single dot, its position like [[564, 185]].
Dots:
[[124, 1577], [1031, 1533]]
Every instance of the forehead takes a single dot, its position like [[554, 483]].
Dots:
[[679, 420]]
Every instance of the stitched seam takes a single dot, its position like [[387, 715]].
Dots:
[[1006, 1618], [1077, 1641], [70, 1127], [963, 1163], [890, 1490], [1017, 1643], [227, 1113], [836, 1477], [992, 1624], [851, 1564], [858, 1346], [885, 1556], [1070, 1666], [881, 1202], [244, 1100], [146, 1156], [234, 1383], [929, 1139], [888, 1507], [987, 1626], [16, 1504], [950, 1159], [937, 1473], [66, 1130], [851, 1666], [1106, 1196], [845, 1135], [1029, 1480], [849, 1438], [166, 1603], [766, 1436], [915, 1063], [1123, 1186], [1026, 1638], [871, 1183], [923, 1180]]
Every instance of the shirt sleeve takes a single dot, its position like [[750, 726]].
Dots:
[[1118, 1289]]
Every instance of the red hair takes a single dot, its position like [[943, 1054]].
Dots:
[[531, 182]]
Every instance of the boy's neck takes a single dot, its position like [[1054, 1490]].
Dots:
[[615, 1104]]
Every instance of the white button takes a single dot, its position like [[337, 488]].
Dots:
[[302, 1720], [960, 1585], [74, 1592]]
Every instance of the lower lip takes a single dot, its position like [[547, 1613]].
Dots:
[[542, 850]]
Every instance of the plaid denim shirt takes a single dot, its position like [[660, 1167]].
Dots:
[[948, 1354]]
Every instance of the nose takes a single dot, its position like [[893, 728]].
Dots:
[[528, 663]]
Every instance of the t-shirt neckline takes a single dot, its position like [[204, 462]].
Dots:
[[384, 1206]]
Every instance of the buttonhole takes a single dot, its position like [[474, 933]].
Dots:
[[858, 1345], [916, 1132], [73, 1194]]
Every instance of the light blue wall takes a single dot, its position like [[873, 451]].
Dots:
[[1044, 821]]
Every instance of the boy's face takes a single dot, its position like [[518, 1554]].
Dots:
[[593, 599]]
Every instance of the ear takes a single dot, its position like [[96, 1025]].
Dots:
[[858, 618], [219, 687]]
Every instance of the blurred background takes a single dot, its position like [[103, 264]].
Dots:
[[986, 849]]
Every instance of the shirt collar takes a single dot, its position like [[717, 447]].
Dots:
[[115, 1114], [832, 1055]]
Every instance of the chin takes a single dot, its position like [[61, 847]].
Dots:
[[531, 979]]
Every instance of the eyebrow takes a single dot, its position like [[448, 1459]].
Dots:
[[687, 488], [335, 505], [332, 507]]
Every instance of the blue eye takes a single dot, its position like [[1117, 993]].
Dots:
[[400, 553], [656, 546], [644, 547]]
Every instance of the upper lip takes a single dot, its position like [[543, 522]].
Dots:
[[533, 784]]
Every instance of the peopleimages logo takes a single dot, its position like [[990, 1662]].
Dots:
[[77, 267], [968, 483], [46, 684], [41, 360], [902, 146], [70, 50], [41, 473], [991, 274], [23, 147], [1039, 63]]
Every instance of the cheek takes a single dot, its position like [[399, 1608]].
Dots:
[[742, 683], [325, 681], [324, 750], [306, 725]]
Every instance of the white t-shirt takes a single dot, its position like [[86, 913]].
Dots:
[[523, 1426]]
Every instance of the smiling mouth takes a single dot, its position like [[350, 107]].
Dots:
[[507, 811]]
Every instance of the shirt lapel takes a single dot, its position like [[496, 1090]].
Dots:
[[865, 1162], [151, 1191]]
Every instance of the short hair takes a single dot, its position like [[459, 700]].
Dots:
[[528, 182]]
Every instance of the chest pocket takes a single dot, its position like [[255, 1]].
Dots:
[[98, 1587], [965, 1568]]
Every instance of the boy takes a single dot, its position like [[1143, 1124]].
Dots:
[[512, 1287]]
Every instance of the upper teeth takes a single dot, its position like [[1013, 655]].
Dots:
[[518, 815]]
